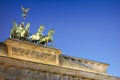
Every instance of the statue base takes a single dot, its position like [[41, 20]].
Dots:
[[31, 52]]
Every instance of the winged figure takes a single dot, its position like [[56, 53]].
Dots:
[[25, 11]]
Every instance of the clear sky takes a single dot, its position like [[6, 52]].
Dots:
[[87, 29]]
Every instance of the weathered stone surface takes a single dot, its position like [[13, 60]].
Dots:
[[27, 68], [32, 52], [20, 69], [3, 49], [83, 64]]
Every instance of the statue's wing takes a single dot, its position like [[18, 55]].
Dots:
[[27, 9], [23, 9], [27, 26]]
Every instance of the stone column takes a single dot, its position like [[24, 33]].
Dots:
[[80, 79], [65, 78], [55, 76], [50, 77], [47, 74], [75, 78], [70, 78]]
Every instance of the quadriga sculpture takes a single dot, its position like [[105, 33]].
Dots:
[[25, 32], [20, 32], [47, 38], [38, 36], [13, 30]]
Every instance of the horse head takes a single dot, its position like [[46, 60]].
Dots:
[[41, 28], [27, 26], [51, 32]]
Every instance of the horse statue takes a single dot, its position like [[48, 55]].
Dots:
[[13, 31], [19, 30], [25, 33], [47, 38], [36, 37]]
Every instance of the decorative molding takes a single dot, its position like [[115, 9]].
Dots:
[[15, 73], [11, 68], [83, 64]]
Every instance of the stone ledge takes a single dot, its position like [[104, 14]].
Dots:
[[53, 69], [79, 63]]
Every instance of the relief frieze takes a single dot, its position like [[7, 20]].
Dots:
[[32, 52]]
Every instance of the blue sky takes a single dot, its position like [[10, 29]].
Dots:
[[87, 29]]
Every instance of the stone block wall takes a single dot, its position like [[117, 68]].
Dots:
[[16, 73], [16, 69]]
